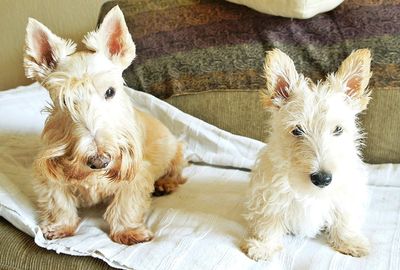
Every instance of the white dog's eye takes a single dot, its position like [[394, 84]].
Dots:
[[109, 93], [298, 131], [338, 131]]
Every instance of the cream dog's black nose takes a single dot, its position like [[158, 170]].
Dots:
[[321, 179], [98, 162]]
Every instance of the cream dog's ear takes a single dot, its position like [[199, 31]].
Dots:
[[43, 50], [113, 39], [280, 74]]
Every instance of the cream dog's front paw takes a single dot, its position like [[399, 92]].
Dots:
[[132, 236], [55, 231]]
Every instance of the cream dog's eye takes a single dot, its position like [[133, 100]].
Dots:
[[338, 131], [109, 93], [298, 131]]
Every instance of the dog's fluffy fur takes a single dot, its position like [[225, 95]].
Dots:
[[92, 121], [314, 129]]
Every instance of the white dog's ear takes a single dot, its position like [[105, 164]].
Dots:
[[353, 76], [113, 39], [281, 75], [43, 50]]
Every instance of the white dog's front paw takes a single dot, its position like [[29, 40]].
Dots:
[[356, 246], [260, 250]]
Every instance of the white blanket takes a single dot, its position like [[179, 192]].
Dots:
[[201, 225]]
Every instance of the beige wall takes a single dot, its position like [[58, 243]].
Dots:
[[66, 18]]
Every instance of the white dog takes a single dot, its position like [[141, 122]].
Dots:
[[310, 178], [97, 146]]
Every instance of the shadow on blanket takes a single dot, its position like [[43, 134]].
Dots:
[[17, 153]]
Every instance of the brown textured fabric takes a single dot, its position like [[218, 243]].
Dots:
[[19, 251], [240, 112]]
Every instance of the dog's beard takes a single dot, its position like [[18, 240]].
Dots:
[[74, 168], [123, 164], [68, 159]]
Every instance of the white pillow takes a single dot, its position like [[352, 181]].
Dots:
[[301, 9]]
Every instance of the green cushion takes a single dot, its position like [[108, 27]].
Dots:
[[238, 112], [19, 251], [381, 123]]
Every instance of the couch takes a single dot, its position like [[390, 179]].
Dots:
[[205, 57]]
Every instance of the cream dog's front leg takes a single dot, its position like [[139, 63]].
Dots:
[[127, 212], [57, 209]]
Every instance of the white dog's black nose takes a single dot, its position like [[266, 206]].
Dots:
[[321, 179], [98, 162]]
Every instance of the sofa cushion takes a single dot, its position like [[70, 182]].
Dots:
[[19, 251], [227, 110], [189, 49], [301, 9]]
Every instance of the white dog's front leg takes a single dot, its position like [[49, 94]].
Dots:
[[265, 238], [345, 235], [127, 212]]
